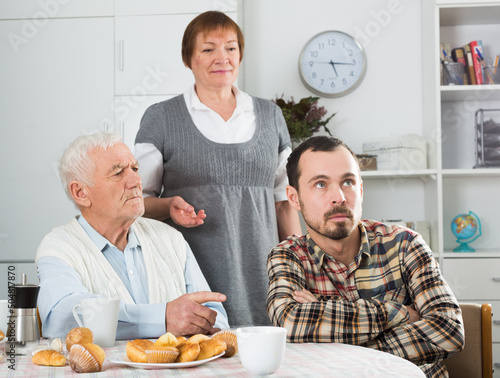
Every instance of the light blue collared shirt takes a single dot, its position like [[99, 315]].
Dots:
[[61, 289]]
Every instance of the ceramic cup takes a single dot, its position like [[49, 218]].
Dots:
[[4, 315], [261, 349], [100, 315]]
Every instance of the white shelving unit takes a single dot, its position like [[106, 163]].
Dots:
[[449, 110]]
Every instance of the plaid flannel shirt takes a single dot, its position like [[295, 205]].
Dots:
[[365, 303]]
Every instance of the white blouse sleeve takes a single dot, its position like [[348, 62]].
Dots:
[[281, 178], [150, 168]]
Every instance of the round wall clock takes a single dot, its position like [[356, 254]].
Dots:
[[332, 64]]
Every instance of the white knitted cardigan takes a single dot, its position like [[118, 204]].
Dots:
[[163, 248]]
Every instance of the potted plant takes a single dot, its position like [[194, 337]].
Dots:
[[303, 118]]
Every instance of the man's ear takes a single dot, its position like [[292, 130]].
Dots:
[[361, 187], [293, 197], [80, 194]]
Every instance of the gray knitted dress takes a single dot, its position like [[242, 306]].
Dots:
[[234, 184]]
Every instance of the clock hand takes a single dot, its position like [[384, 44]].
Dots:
[[334, 69], [349, 64]]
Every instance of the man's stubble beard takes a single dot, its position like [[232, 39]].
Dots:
[[341, 231]]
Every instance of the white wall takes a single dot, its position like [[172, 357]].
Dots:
[[389, 30]]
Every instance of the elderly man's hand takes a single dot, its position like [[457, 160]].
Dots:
[[187, 316], [183, 213]]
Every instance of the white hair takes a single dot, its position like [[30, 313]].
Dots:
[[76, 163]]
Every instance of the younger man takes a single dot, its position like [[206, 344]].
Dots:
[[357, 281]]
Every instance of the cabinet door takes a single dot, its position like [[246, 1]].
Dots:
[[35, 12], [473, 279], [134, 7], [149, 55], [148, 60], [57, 86], [128, 114]]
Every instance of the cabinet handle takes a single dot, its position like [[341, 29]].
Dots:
[[122, 55], [496, 279], [497, 365], [496, 322]]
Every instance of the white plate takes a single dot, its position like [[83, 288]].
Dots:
[[122, 359]]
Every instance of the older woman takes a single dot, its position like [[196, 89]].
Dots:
[[223, 152]]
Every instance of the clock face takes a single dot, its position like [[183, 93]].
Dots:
[[332, 64]]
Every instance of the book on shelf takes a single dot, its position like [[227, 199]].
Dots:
[[476, 48], [470, 65], [458, 56]]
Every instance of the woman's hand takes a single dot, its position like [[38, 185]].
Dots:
[[183, 213]]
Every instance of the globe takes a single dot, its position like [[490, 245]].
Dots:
[[466, 228]]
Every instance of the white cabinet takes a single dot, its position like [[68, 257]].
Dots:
[[476, 278], [128, 114], [148, 7], [450, 111], [35, 13], [55, 87], [148, 54], [148, 60], [75, 67]]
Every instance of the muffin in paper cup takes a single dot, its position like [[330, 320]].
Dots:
[[86, 358], [229, 337], [158, 354]]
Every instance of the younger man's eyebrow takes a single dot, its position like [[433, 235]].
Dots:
[[319, 177]]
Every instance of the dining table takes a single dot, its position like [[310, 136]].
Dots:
[[301, 360]]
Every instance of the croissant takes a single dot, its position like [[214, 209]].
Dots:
[[49, 357], [210, 348]]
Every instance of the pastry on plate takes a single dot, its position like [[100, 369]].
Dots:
[[86, 358], [188, 352], [229, 337], [210, 348], [167, 340], [158, 354], [181, 340], [79, 335], [48, 357], [136, 350], [198, 338]]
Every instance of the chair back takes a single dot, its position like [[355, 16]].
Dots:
[[476, 359]]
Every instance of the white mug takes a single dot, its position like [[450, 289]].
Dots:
[[4, 315], [261, 349], [100, 315]]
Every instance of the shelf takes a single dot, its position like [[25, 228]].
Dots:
[[479, 254], [424, 173], [464, 173], [469, 14], [470, 92]]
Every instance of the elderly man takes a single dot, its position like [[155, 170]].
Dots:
[[357, 281], [111, 251]]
